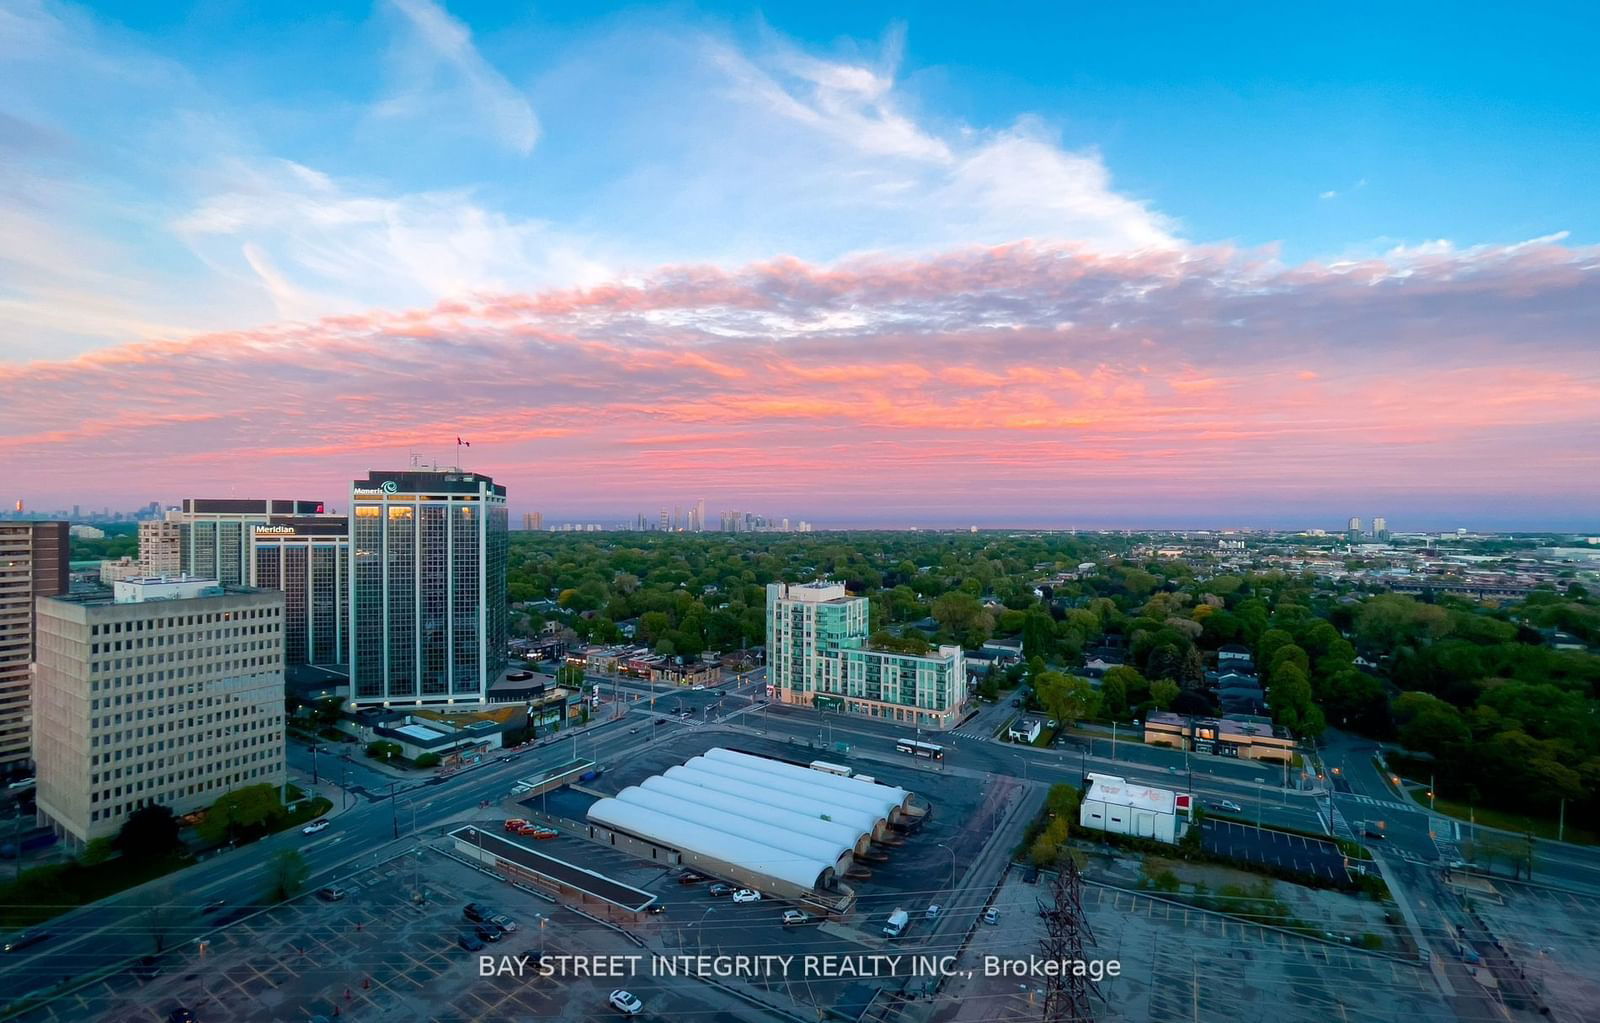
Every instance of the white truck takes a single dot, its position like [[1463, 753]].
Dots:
[[896, 924]]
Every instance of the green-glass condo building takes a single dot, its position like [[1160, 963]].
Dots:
[[818, 656]]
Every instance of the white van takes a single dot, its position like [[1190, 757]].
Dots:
[[896, 924]]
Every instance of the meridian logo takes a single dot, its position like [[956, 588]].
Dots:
[[390, 486]]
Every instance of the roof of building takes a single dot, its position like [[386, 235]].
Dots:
[[881, 799], [731, 817], [1119, 792], [587, 881], [733, 847], [716, 777]]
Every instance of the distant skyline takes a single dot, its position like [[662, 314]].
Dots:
[[888, 265]]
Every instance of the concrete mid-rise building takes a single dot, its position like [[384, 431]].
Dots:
[[818, 655], [33, 563], [216, 533], [308, 559], [160, 547], [427, 588], [165, 691]]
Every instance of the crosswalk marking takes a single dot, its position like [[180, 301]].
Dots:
[[1374, 801]]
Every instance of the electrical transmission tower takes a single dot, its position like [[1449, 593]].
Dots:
[[1067, 995]]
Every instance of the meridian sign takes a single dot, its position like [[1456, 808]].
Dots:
[[388, 487]]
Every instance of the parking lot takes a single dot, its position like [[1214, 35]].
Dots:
[[916, 875], [376, 955], [1553, 937], [1276, 849], [1184, 964]]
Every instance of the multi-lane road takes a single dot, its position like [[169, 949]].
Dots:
[[370, 824]]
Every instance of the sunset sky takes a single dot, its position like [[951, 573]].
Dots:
[[900, 265]]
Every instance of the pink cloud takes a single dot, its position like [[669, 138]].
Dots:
[[1048, 372]]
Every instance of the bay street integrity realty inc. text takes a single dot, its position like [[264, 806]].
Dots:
[[723, 967]]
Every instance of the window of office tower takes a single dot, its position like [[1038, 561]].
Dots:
[[465, 599], [367, 558], [433, 581], [400, 547]]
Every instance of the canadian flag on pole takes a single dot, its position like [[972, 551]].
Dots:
[[463, 443]]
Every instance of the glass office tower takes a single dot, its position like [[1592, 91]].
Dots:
[[427, 587], [309, 560]]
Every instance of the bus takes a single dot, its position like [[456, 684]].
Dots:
[[827, 768], [919, 749]]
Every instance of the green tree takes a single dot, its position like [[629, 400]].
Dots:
[[242, 815], [384, 750], [1289, 695], [1113, 698], [1428, 724], [1135, 687], [1038, 635], [1163, 693], [286, 874], [149, 833], [1067, 698]]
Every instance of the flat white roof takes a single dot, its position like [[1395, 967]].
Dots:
[[420, 732], [1118, 792]]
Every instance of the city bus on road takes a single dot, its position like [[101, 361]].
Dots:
[[917, 748], [827, 768]]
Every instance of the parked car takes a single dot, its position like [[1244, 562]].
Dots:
[[991, 916], [515, 823], [718, 888], [332, 893], [1031, 875], [793, 917], [181, 1015], [746, 895], [469, 941], [625, 1003], [476, 913], [315, 826], [25, 939], [656, 909], [933, 912], [690, 877], [505, 923], [1229, 806], [489, 932]]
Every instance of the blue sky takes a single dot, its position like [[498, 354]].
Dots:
[[1341, 255], [1473, 122]]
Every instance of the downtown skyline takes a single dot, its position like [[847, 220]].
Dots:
[[883, 279]]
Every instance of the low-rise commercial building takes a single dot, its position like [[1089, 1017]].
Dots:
[[164, 691], [1115, 806], [1241, 736], [1024, 730]]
